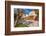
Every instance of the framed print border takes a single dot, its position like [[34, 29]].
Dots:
[[8, 17]]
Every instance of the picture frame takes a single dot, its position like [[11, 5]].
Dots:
[[10, 5]]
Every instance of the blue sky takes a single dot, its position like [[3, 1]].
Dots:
[[27, 11]]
